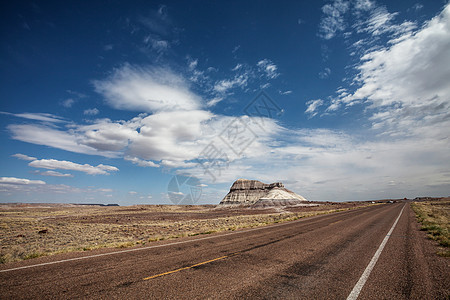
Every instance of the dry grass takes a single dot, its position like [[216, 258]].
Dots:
[[31, 231], [434, 217]]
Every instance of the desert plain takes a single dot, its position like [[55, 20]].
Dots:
[[33, 230]]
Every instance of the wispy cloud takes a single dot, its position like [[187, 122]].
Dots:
[[91, 112], [268, 68], [19, 181], [44, 117], [312, 107], [148, 89], [48, 136], [333, 20], [23, 157], [325, 73], [54, 174], [406, 82], [223, 86], [68, 103], [54, 164], [285, 92], [380, 21]]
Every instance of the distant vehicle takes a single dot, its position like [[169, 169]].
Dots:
[[390, 201]]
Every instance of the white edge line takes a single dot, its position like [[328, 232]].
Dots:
[[362, 281], [157, 246]]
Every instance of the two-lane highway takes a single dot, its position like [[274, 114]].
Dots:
[[322, 257]]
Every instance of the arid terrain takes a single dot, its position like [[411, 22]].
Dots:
[[34, 230], [373, 252], [434, 216]]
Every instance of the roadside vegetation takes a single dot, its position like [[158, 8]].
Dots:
[[434, 218], [32, 231]]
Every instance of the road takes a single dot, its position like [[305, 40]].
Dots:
[[321, 257]]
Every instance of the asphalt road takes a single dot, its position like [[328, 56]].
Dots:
[[322, 257]]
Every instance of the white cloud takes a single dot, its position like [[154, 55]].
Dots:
[[132, 193], [23, 156], [214, 101], [43, 117], [19, 181], [285, 92], [237, 67], [313, 106], [91, 111], [417, 6], [55, 174], [364, 5], [141, 162], [159, 45], [223, 86], [325, 73], [76, 94], [333, 18], [177, 193], [161, 137], [47, 136], [149, 89], [68, 103], [406, 84], [269, 68], [380, 22], [192, 64], [105, 135], [54, 164]]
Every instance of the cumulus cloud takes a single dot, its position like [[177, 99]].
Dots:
[[407, 82], [106, 135], [54, 164], [150, 89], [161, 137], [141, 162], [403, 83]]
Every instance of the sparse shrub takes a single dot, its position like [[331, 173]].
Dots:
[[33, 255], [433, 217]]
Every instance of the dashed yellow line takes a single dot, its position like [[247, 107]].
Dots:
[[190, 267], [335, 222]]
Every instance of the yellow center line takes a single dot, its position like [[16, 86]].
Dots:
[[185, 268], [336, 222]]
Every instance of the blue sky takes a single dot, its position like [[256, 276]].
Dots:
[[105, 102]]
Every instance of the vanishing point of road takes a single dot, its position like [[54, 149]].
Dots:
[[375, 252]]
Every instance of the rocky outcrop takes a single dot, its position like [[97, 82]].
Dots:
[[250, 192]]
